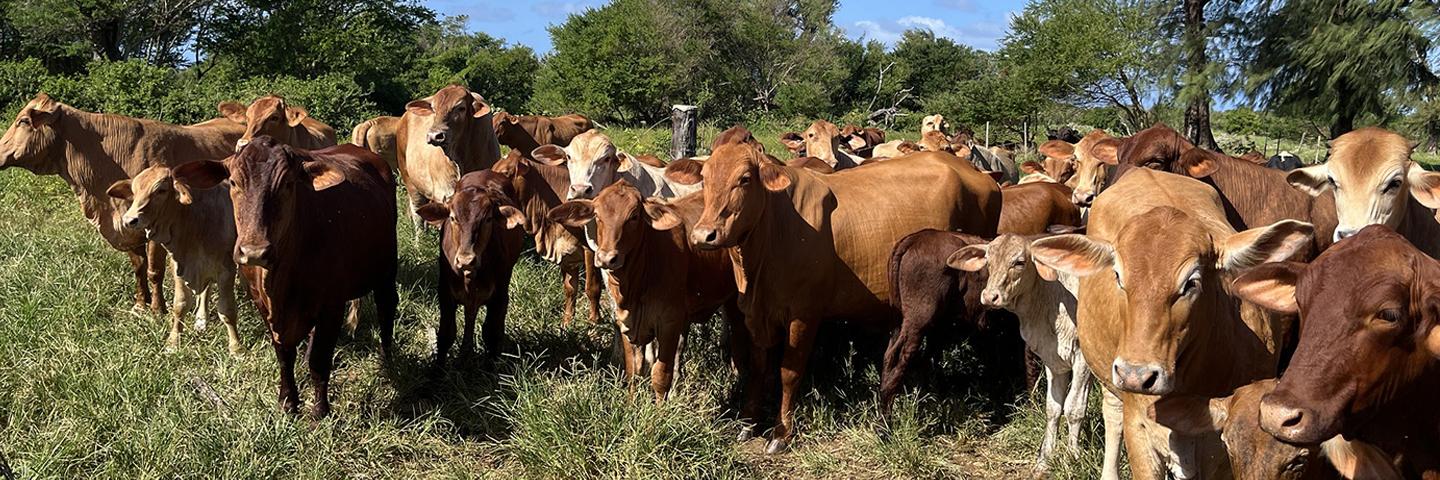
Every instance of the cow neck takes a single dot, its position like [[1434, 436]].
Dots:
[[208, 216], [1039, 307], [522, 141], [476, 151], [644, 268], [100, 148], [541, 188], [1226, 344], [295, 253], [770, 238], [1421, 226]]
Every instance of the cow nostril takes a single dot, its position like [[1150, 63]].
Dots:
[[1294, 419], [1150, 380]]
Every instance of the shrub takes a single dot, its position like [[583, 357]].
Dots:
[[19, 82]]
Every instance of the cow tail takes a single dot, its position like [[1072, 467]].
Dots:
[[359, 137]]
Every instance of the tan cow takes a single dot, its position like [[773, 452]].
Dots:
[[1156, 314], [528, 132], [823, 243], [936, 141], [1094, 170], [935, 123], [894, 148], [1376, 183], [440, 138], [287, 124], [594, 163], [823, 141], [1059, 159], [92, 151], [198, 229], [378, 135]]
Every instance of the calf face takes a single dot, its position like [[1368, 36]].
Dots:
[[1373, 178], [32, 142], [738, 181], [592, 160], [1157, 147], [1012, 273], [937, 142], [265, 180], [1170, 273], [151, 193], [453, 107], [1254, 454], [1094, 170], [935, 123], [469, 218], [268, 115], [1368, 333], [821, 141]]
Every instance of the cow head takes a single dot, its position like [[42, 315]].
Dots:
[[1011, 271], [1373, 178], [739, 178], [936, 141], [1089, 179], [1371, 307], [592, 160], [1170, 273], [862, 141], [935, 123], [151, 194], [453, 108], [822, 140], [1254, 454], [33, 140], [268, 115], [268, 184], [1158, 147], [471, 217], [621, 217]]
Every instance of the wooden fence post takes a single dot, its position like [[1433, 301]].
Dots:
[[987, 134], [682, 131]]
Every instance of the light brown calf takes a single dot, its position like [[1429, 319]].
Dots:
[[378, 135]]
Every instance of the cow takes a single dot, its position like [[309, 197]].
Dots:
[[812, 232], [823, 141], [894, 148], [934, 141], [1374, 182], [1284, 161], [1254, 157], [92, 151], [1044, 300], [1065, 134], [538, 188], [659, 281], [935, 123], [480, 241], [1059, 159], [378, 135], [594, 163], [198, 229], [1252, 195], [1094, 171], [314, 230], [1367, 366], [288, 124], [1156, 317], [987, 161], [528, 132], [1030, 208], [811, 163], [862, 141], [440, 138]]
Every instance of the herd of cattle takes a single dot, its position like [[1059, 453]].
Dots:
[[1241, 320]]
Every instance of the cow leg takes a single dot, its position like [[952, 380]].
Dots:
[[569, 272], [467, 336], [1140, 446], [445, 330], [755, 390], [493, 332], [792, 368], [1057, 385], [1076, 399], [322, 359], [202, 310], [1113, 412], [630, 357], [285, 355], [593, 279], [142, 285], [902, 349], [225, 303], [662, 373], [416, 200], [155, 260], [184, 301], [387, 300]]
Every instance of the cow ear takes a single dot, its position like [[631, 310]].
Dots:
[[968, 259], [1106, 151], [1197, 163], [1191, 414], [294, 115], [1424, 185], [623, 161], [420, 107], [1273, 243], [1271, 286], [513, 217], [481, 107], [774, 177], [793, 141], [1359, 460], [232, 110], [199, 174], [1045, 272], [120, 190], [433, 213], [685, 171], [1076, 255], [550, 155], [323, 176], [856, 142], [1064, 229], [1312, 180], [574, 213], [661, 216]]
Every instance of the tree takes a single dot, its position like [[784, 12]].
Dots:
[[785, 53], [1337, 59], [1196, 87], [70, 32], [932, 64], [504, 75]]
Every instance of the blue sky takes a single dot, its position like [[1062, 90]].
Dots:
[[978, 23]]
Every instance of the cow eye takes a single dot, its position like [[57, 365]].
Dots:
[[1389, 315], [744, 179], [1118, 282], [25, 122], [1331, 181], [1020, 262], [1390, 186]]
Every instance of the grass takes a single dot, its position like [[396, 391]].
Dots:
[[85, 390]]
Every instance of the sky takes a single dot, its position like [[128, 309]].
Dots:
[[977, 23]]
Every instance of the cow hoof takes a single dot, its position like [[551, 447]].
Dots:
[[199, 324], [777, 446], [746, 433]]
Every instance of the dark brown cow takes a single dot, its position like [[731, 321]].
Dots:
[[659, 281], [479, 244], [1368, 363], [315, 229], [1031, 208], [528, 132], [862, 141]]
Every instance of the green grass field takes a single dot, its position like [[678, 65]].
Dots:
[[86, 392]]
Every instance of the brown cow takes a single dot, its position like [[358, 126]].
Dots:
[[440, 138], [937, 142], [198, 229], [92, 151], [812, 232], [1095, 169], [479, 245], [660, 283], [378, 135], [1156, 317], [811, 163], [287, 124], [1368, 363], [1030, 208], [1375, 182], [862, 141], [1059, 159], [823, 141], [315, 229], [528, 132]]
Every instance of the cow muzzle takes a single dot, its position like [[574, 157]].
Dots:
[[131, 221], [253, 255], [465, 263], [609, 259], [1082, 199], [438, 139], [991, 298], [1293, 424], [705, 237], [1147, 378], [580, 191]]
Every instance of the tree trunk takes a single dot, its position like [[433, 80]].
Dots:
[[682, 131], [1197, 110]]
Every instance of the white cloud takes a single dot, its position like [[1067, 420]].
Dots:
[[875, 31], [938, 26], [556, 9], [978, 35]]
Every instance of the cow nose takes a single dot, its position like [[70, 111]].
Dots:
[[580, 191], [1083, 199], [990, 298], [1147, 379], [437, 138], [704, 236], [465, 261], [610, 259], [131, 221], [1342, 233], [252, 255], [1284, 422]]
